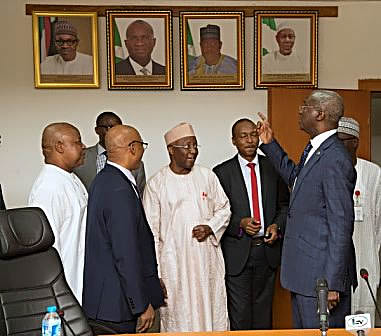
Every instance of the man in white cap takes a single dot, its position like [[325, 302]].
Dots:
[[284, 60], [67, 60], [367, 229], [188, 212]]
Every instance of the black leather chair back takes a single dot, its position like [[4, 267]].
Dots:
[[32, 276]]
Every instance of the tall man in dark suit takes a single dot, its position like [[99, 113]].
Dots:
[[318, 239], [96, 156], [120, 278], [251, 259], [140, 41]]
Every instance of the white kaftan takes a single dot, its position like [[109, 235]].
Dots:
[[192, 271], [82, 64], [367, 233], [63, 198], [276, 63]]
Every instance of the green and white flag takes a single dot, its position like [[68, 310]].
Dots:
[[270, 22], [118, 49], [190, 45]]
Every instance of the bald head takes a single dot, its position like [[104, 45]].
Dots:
[[124, 146], [54, 133], [62, 146]]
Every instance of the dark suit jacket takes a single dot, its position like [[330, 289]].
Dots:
[[275, 197], [2, 203], [125, 68], [88, 170], [318, 239], [120, 273]]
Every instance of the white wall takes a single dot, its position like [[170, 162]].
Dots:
[[349, 49]]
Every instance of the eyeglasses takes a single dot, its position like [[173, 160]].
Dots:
[[70, 43], [187, 147], [107, 127], [144, 144], [304, 108]]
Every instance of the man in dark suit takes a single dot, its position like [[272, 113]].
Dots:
[[251, 259], [96, 156], [318, 239], [120, 278], [140, 41]]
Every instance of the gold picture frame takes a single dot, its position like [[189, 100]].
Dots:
[[219, 68], [143, 60], [68, 59], [286, 49]]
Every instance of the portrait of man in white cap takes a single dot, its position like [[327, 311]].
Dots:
[[67, 60], [285, 58]]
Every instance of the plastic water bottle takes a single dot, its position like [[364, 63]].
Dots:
[[51, 323]]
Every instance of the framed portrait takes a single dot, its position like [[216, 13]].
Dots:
[[212, 50], [139, 50], [65, 46], [285, 48]]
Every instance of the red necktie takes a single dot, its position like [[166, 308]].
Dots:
[[254, 193]]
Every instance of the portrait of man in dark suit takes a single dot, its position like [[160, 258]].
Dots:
[[251, 244], [140, 42]]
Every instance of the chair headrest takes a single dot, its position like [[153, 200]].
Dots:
[[24, 231]]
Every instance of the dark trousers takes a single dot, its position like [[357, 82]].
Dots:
[[304, 312], [127, 327], [250, 293]]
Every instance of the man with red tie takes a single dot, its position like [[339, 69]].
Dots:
[[251, 244]]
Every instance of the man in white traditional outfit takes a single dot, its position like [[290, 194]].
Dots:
[[188, 212], [63, 198], [67, 61], [367, 230], [285, 60]]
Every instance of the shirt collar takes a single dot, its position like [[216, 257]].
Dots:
[[100, 149], [243, 162], [124, 170], [137, 67], [319, 139], [58, 169]]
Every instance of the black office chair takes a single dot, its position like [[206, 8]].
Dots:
[[32, 277]]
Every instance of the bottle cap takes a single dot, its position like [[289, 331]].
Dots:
[[51, 309]]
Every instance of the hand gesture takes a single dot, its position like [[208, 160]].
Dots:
[[265, 132], [250, 225], [201, 232], [333, 299], [146, 319], [273, 231]]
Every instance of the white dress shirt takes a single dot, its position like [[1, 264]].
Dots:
[[128, 174], [137, 67], [317, 141], [246, 172]]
